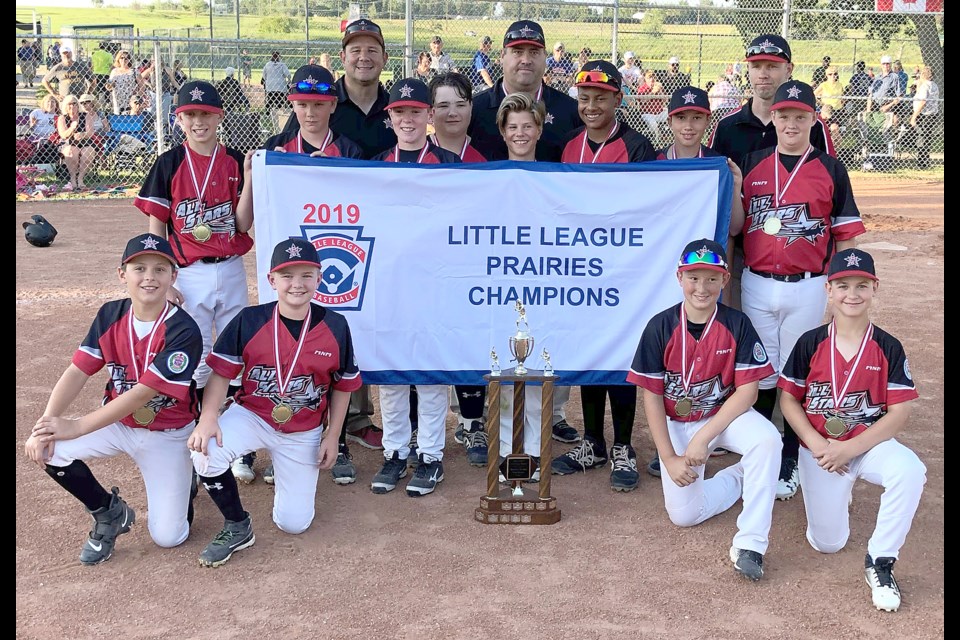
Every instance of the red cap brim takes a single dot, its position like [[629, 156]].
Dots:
[[765, 56], [294, 263], [310, 97], [198, 107], [701, 265], [700, 109], [408, 103], [792, 104], [517, 43], [148, 252], [853, 273]]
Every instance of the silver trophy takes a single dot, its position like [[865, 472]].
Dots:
[[547, 365], [521, 343], [494, 363]]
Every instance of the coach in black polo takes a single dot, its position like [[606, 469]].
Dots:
[[524, 61]]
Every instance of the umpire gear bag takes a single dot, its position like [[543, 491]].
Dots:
[[39, 232]]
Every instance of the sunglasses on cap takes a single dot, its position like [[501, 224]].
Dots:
[[311, 86], [361, 26], [595, 76], [702, 257], [769, 50], [524, 34]]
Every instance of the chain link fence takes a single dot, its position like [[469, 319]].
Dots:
[[700, 45]]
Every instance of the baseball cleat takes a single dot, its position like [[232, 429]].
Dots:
[[475, 443], [884, 588], [242, 468], [586, 455], [343, 470], [108, 523], [389, 475], [268, 474], [426, 478], [789, 480], [623, 468], [234, 536], [563, 432], [747, 563]]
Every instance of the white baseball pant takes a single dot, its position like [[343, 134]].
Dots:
[[431, 419], [164, 462], [212, 294], [560, 397], [781, 312], [826, 498], [532, 399], [295, 463], [754, 478]]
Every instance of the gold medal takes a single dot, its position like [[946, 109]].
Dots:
[[202, 233], [683, 407], [772, 226], [835, 427], [144, 416], [281, 413]]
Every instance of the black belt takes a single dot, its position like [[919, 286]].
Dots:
[[216, 259], [793, 277]]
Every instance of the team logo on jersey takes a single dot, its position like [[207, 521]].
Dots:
[[178, 362], [758, 353], [345, 255], [795, 221], [856, 408], [301, 392], [906, 370], [219, 217], [707, 395]]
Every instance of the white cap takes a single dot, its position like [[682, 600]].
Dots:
[[65, 48], [558, 45], [886, 60], [674, 60], [229, 71], [628, 54]]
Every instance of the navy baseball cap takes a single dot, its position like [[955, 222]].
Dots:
[[794, 94], [410, 92], [199, 96], [703, 254], [146, 244], [524, 32], [768, 46], [39, 232], [312, 82], [600, 74], [689, 99], [294, 251], [852, 262], [362, 27]]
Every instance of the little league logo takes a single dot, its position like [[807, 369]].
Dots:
[[345, 256]]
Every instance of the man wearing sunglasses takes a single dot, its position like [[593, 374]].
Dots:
[[361, 111], [524, 62]]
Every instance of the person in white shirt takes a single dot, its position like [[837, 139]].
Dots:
[[630, 71]]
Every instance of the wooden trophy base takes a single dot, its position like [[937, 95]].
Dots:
[[507, 508]]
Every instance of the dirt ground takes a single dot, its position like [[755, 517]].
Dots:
[[394, 567]]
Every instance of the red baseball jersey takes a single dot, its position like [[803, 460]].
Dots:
[[472, 155], [326, 362], [170, 194], [431, 154], [174, 355], [705, 152], [881, 378], [815, 209], [728, 356], [625, 145], [338, 147]]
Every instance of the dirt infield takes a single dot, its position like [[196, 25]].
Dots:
[[394, 567]]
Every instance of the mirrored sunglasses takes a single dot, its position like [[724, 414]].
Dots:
[[311, 86], [702, 257], [524, 34], [358, 27], [769, 50], [596, 76]]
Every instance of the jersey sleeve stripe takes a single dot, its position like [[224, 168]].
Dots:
[[97, 354], [152, 206]]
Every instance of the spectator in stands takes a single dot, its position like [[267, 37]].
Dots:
[[246, 67], [724, 97], [652, 105], [423, 72], [857, 90], [926, 108], [67, 75], [630, 71], [76, 141], [26, 56], [124, 82], [101, 64], [327, 63], [234, 99], [137, 106], [902, 77], [885, 92], [586, 53], [440, 62], [481, 75], [168, 87], [43, 126], [101, 125], [53, 54], [559, 69], [179, 76], [829, 92], [276, 78], [673, 79], [820, 73]]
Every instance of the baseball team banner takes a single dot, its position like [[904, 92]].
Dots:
[[427, 262]]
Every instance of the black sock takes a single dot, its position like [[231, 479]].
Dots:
[[77, 479], [791, 442], [623, 408], [199, 399], [593, 401], [194, 488], [224, 493], [766, 401], [414, 402], [471, 399]]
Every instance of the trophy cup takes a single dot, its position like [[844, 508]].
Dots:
[[521, 343]]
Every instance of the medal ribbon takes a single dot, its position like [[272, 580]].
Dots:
[[153, 332], [672, 152], [206, 178], [687, 376], [838, 399], [326, 141], [466, 143], [583, 147], [423, 153], [778, 194], [281, 382]]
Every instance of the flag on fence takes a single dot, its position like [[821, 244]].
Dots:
[[910, 6]]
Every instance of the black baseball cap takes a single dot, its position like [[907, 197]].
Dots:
[[312, 82], [362, 27], [703, 254], [794, 94], [294, 251], [146, 244], [852, 262], [600, 74], [768, 46], [524, 32], [200, 96], [689, 99], [410, 92]]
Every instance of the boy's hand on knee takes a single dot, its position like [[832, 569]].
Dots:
[[328, 453], [680, 472]]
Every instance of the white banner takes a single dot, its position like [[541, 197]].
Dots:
[[428, 261]]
